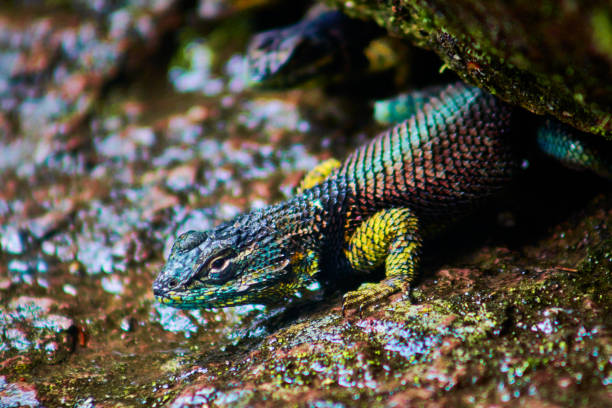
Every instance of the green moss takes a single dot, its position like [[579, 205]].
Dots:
[[543, 56], [602, 31]]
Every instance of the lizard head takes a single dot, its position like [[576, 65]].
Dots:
[[232, 264], [277, 61]]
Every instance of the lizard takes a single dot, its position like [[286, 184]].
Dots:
[[325, 47], [457, 147]]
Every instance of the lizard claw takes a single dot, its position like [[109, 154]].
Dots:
[[367, 295]]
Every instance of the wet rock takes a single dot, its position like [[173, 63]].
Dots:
[[157, 200], [22, 269], [213, 9], [473, 337], [174, 320], [130, 145], [48, 223], [52, 68], [35, 329], [194, 72], [15, 395], [181, 178], [550, 58], [13, 240], [273, 114]]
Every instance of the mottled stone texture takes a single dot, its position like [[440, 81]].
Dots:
[[551, 57]]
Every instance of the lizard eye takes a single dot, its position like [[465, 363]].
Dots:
[[219, 263], [218, 269]]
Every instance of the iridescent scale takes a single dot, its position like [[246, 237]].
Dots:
[[451, 153]]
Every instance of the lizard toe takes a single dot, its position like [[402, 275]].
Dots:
[[368, 294]]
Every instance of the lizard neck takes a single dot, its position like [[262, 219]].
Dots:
[[307, 216]]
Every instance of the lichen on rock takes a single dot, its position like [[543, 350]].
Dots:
[[549, 57]]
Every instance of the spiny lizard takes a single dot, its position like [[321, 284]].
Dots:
[[371, 211]]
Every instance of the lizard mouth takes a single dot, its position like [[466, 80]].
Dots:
[[163, 299], [168, 297], [177, 302]]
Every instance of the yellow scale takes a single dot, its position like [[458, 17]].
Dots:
[[388, 237]]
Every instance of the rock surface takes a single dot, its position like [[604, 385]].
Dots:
[[549, 57]]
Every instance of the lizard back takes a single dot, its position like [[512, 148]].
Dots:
[[452, 152]]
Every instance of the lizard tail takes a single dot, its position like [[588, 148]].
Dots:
[[575, 149]]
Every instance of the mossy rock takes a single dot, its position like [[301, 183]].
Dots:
[[549, 57]]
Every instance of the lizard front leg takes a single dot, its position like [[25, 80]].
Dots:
[[390, 238]]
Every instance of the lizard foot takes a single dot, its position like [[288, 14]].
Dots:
[[369, 294]]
